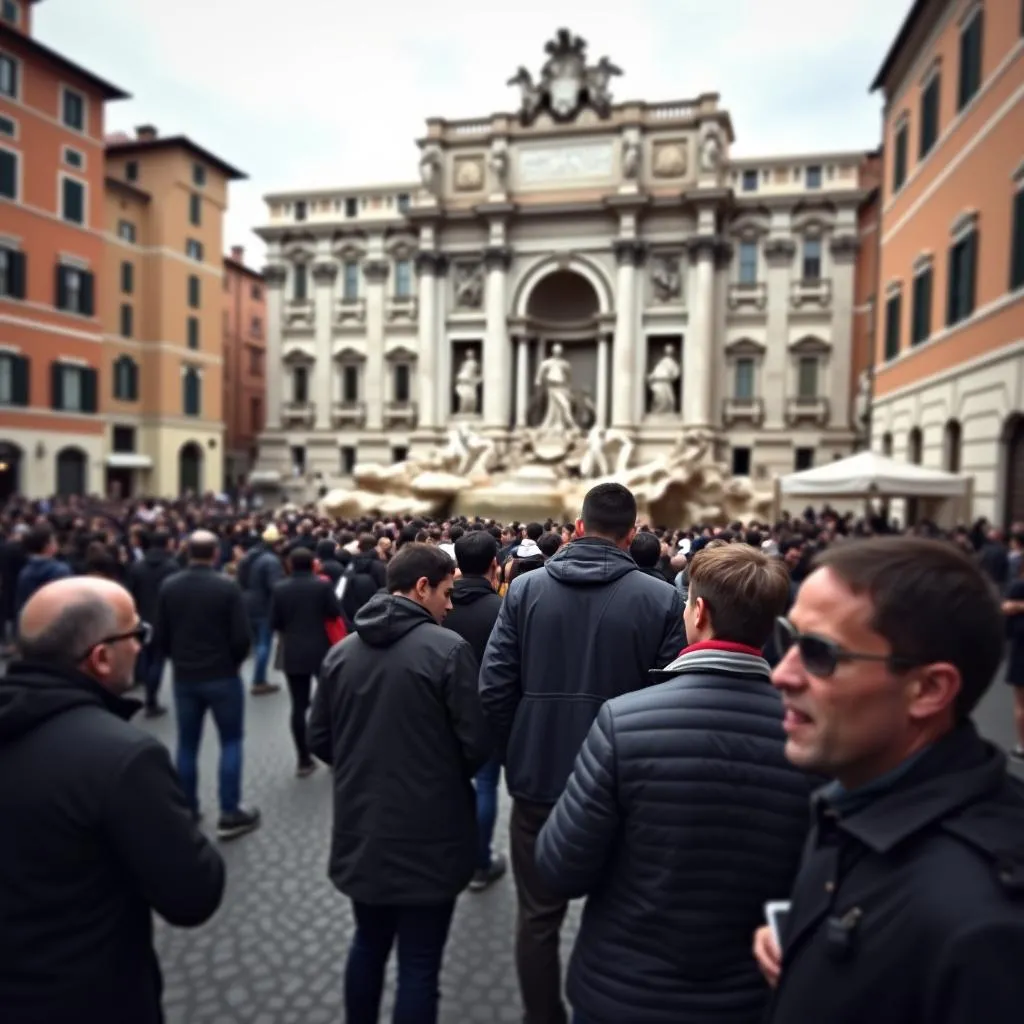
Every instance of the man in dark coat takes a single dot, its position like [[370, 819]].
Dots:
[[475, 607], [303, 604], [145, 578], [96, 830], [397, 717], [367, 576], [645, 550], [682, 817], [908, 902], [584, 628], [258, 571], [43, 565]]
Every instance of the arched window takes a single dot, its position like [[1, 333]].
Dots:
[[126, 379], [952, 446], [192, 391]]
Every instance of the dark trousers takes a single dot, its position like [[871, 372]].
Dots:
[[421, 933], [263, 640], [539, 918], [486, 783], [150, 672], [225, 699], [300, 687]]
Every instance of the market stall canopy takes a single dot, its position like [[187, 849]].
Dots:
[[868, 474]]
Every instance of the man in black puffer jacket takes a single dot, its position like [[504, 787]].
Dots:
[[682, 817]]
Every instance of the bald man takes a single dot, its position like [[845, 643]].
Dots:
[[96, 832], [202, 628]]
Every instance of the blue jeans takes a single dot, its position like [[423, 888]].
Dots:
[[262, 638], [486, 783], [225, 698], [422, 933]]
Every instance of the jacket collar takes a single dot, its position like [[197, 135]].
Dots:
[[958, 770], [716, 657], [54, 678]]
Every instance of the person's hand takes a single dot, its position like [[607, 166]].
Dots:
[[768, 955]]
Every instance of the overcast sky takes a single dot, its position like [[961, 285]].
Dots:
[[313, 93]]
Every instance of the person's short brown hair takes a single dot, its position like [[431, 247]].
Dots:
[[931, 602], [744, 590]]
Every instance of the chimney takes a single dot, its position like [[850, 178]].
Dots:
[[238, 253], [146, 133]]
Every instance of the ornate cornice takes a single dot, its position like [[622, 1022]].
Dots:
[[376, 270], [779, 250], [714, 247], [629, 252], [275, 275], [325, 273], [844, 248], [427, 260], [497, 257]]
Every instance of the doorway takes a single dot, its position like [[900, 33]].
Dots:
[[71, 472], [1013, 485], [10, 470], [190, 468]]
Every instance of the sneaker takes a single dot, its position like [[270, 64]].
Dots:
[[231, 826], [263, 689], [155, 711], [1018, 752], [486, 877], [305, 770]]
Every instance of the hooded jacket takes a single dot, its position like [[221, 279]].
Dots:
[[586, 627], [146, 577], [103, 838], [475, 607], [397, 717], [36, 573]]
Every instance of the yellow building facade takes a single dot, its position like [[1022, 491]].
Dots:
[[161, 308]]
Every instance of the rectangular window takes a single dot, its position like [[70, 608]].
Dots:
[[748, 262], [350, 283], [72, 200], [970, 58], [403, 279], [193, 291], [300, 283], [300, 385], [9, 174], [807, 377], [1017, 252], [12, 273], [750, 180], [194, 250], [126, 231], [257, 293], [348, 460], [131, 170], [195, 209], [929, 116], [198, 175], [127, 320], [899, 158], [73, 110], [126, 381], [256, 327], [123, 439], [74, 158], [812, 259], [9, 127], [743, 388], [403, 202], [255, 414], [74, 388], [75, 291], [14, 380], [127, 278], [803, 458], [400, 453], [921, 313], [192, 392], [192, 331], [300, 210], [812, 177], [351, 207], [963, 272], [350, 384], [298, 459], [256, 361], [10, 12], [402, 384], [741, 462], [9, 75], [893, 315]]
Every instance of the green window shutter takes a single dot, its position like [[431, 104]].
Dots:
[[89, 383], [20, 370], [56, 386]]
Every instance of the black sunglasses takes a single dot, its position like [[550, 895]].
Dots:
[[142, 633], [821, 656]]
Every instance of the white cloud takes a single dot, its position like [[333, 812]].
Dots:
[[333, 92]]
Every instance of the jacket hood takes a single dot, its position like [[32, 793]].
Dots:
[[386, 618], [470, 589], [32, 694], [364, 560], [156, 557], [590, 561]]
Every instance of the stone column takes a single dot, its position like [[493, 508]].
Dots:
[[602, 380], [843, 251], [274, 278], [426, 365], [443, 382], [629, 254], [773, 385], [376, 274], [522, 381], [698, 348], [497, 356], [324, 274]]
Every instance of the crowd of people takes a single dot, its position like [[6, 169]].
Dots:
[[749, 749]]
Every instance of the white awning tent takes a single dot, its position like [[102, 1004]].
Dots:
[[869, 475]]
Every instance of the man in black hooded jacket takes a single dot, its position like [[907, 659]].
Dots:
[[97, 833]]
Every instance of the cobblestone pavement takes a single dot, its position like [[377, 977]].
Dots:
[[274, 952]]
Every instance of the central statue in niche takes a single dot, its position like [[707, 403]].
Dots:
[[554, 381]]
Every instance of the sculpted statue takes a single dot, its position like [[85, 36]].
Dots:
[[663, 381], [465, 452], [711, 153], [608, 452], [469, 285], [598, 85], [430, 171], [666, 282], [467, 385], [530, 95], [499, 168], [631, 161], [862, 403], [554, 379]]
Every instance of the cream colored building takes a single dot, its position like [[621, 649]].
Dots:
[[684, 287]]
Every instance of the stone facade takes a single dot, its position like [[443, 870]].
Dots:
[[684, 288]]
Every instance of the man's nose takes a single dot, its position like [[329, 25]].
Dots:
[[789, 674]]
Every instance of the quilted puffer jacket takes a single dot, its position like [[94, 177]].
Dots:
[[680, 820]]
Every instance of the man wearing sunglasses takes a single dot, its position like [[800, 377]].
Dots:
[[909, 905], [96, 832]]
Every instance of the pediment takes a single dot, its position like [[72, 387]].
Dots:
[[810, 345], [751, 224], [400, 354], [813, 218], [744, 347], [348, 354], [296, 357]]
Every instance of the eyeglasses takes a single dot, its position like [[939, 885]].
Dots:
[[142, 634], [821, 656]]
